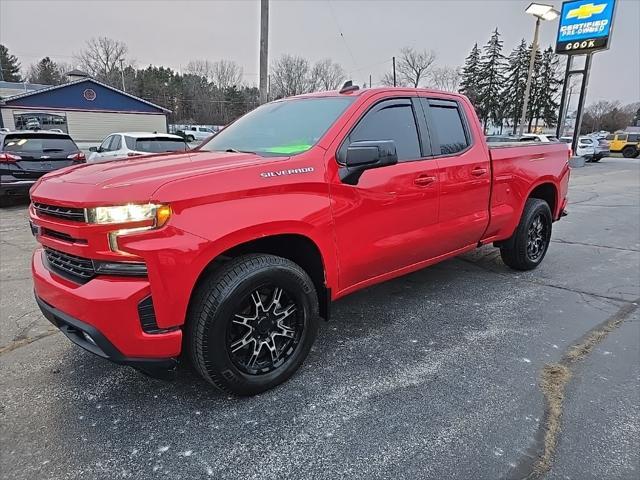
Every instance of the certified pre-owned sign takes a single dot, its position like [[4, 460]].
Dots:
[[585, 26]]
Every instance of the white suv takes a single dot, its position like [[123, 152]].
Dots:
[[132, 144]]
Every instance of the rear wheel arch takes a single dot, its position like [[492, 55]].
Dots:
[[548, 192]]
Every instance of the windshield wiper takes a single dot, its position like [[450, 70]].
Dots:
[[53, 149], [233, 150]]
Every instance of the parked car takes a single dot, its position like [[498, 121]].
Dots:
[[195, 132], [235, 251], [626, 143], [538, 137], [32, 124], [132, 144], [26, 155]]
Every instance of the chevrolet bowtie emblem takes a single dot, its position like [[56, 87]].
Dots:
[[586, 11]]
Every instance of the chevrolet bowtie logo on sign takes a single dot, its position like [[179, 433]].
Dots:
[[586, 11], [585, 26]]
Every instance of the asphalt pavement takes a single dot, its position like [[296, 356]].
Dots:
[[432, 376]]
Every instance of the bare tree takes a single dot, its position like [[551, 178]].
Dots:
[[326, 75], [226, 73], [445, 78], [102, 58], [201, 68], [414, 66], [223, 73], [387, 80], [289, 76]]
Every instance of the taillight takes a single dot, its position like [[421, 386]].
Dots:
[[78, 157], [9, 157]]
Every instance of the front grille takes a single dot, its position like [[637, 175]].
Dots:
[[74, 268], [62, 236], [67, 213]]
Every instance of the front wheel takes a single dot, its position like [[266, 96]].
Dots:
[[190, 138], [252, 323], [529, 243]]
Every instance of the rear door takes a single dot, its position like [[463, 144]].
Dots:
[[34, 154], [464, 175]]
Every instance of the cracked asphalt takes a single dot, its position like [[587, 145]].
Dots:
[[431, 376]]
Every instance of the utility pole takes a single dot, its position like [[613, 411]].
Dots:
[[122, 74], [527, 89], [394, 71], [264, 49], [369, 80]]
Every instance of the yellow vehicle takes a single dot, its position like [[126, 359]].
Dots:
[[627, 143]]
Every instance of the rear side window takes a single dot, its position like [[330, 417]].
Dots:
[[621, 137], [391, 120], [448, 125], [634, 137], [157, 144], [45, 143]]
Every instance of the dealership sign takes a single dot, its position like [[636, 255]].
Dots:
[[585, 26]]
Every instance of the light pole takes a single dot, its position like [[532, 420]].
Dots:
[[541, 12]]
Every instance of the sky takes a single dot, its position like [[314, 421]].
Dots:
[[360, 35]]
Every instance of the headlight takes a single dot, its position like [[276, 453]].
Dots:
[[130, 213]]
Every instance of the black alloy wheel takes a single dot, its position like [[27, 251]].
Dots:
[[265, 331]]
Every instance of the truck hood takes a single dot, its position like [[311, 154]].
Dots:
[[140, 177]]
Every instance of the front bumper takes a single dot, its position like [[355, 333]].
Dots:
[[106, 308], [92, 340]]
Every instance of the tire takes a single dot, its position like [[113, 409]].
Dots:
[[635, 155], [522, 251], [190, 138], [629, 152], [225, 324], [596, 159]]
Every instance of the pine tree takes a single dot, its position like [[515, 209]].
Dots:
[[46, 72], [469, 82], [516, 80], [9, 66], [549, 83], [491, 82]]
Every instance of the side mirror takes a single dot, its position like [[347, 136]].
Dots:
[[366, 155], [93, 149]]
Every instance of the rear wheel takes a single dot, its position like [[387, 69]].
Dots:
[[629, 152], [252, 323], [529, 243]]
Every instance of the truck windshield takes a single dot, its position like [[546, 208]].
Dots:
[[287, 127]]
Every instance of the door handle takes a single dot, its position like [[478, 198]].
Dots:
[[478, 171], [424, 180]]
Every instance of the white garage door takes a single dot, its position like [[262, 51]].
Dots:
[[93, 126]]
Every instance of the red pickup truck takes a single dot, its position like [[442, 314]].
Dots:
[[230, 253]]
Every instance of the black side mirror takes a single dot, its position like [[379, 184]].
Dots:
[[365, 155], [93, 149]]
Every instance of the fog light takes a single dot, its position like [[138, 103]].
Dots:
[[135, 269]]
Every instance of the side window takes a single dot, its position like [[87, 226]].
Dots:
[[622, 137], [449, 128], [131, 142], [634, 138], [104, 146], [115, 143], [391, 120]]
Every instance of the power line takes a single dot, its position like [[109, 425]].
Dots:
[[353, 58]]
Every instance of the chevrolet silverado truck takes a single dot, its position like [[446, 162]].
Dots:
[[228, 255]]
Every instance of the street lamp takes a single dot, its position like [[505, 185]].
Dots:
[[541, 12]]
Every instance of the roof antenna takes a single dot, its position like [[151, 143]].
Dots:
[[349, 87]]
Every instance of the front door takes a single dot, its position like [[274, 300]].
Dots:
[[387, 221]]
